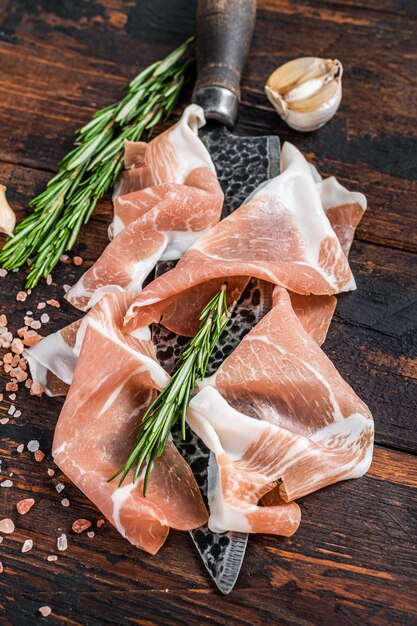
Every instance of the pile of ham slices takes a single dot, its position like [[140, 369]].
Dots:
[[278, 417]]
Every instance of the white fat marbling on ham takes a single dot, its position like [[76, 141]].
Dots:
[[281, 422], [162, 206]]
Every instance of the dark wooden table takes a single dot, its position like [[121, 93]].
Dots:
[[353, 560]]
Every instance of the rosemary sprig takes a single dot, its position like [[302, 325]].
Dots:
[[171, 404], [92, 167]]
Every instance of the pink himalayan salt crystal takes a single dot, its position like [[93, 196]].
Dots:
[[4, 420], [53, 303], [52, 557], [41, 306], [45, 611], [36, 389], [78, 260], [39, 455], [100, 523], [50, 472], [7, 526], [27, 546], [3, 320], [21, 296], [65, 502], [24, 506], [80, 525], [8, 357], [17, 346], [12, 386]]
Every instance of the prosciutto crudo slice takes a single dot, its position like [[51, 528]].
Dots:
[[115, 379], [281, 421], [161, 207], [282, 235]]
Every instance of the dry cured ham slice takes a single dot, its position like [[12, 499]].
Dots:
[[282, 235], [115, 379], [277, 412], [161, 208]]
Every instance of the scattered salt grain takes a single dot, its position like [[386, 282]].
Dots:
[[11, 386], [78, 260], [33, 445], [4, 420], [6, 483], [35, 325], [65, 502], [80, 525], [1, 397], [24, 506], [44, 318], [12, 409], [1, 567], [7, 526], [3, 320], [21, 296], [50, 472], [53, 303], [62, 543], [91, 534], [59, 487], [27, 546], [100, 523], [3, 273], [29, 312], [36, 389], [39, 456], [45, 611], [49, 279], [20, 448], [12, 396], [17, 414], [41, 306], [17, 346], [52, 557]]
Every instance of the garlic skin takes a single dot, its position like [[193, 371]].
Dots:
[[306, 92], [7, 216]]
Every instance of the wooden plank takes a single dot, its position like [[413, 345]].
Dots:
[[343, 565]]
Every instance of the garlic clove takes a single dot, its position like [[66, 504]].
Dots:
[[306, 92], [7, 216]]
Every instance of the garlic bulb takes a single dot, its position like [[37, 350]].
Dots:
[[306, 92], [7, 216]]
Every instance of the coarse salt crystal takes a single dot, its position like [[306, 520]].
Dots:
[[17, 346], [12, 409], [3, 320], [17, 414], [6, 484], [66, 288], [49, 279], [21, 296], [52, 557], [39, 455], [44, 318], [80, 525], [35, 325], [11, 386], [100, 523], [4, 420], [27, 546], [65, 502], [20, 448], [53, 303], [41, 305], [45, 611], [62, 543], [33, 445], [24, 506], [36, 389], [78, 260], [1, 567], [91, 534], [59, 487], [7, 526], [50, 472], [29, 312], [12, 396]]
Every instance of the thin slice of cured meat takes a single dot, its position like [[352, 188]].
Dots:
[[282, 235], [279, 418], [116, 378], [181, 198]]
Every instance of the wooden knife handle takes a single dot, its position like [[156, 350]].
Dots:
[[224, 33]]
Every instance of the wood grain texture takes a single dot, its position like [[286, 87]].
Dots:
[[353, 561]]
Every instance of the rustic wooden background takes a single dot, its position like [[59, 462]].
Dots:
[[353, 561]]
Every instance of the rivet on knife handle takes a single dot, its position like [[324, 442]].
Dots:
[[224, 33]]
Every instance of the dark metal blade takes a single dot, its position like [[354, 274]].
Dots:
[[242, 164]]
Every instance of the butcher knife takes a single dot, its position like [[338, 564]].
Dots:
[[223, 36]]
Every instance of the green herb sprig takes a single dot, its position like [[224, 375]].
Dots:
[[171, 404], [92, 167]]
